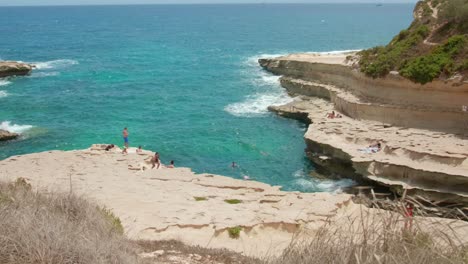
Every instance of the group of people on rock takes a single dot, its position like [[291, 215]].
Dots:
[[155, 160], [373, 148]]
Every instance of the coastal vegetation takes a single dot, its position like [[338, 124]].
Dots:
[[233, 201], [199, 199], [435, 45], [386, 237], [44, 227], [234, 232]]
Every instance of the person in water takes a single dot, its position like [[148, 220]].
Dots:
[[125, 137], [156, 160]]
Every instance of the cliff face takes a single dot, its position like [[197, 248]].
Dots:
[[422, 128], [12, 68], [393, 100]]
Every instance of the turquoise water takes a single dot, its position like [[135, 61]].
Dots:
[[183, 78]]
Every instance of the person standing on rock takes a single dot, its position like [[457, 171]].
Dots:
[[125, 136]]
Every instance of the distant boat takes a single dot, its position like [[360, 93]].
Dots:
[[379, 4]]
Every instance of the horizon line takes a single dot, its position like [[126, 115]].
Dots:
[[202, 3]]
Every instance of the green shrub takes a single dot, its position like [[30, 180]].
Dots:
[[233, 201], [379, 61], [113, 220], [424, 69], [198, 199], [234, 232]]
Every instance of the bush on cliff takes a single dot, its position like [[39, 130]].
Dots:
[[379, 61], [429, 48], [456, 13], [57, 228], [425, 68]]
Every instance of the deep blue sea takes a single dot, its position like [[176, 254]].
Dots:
[[183, 78]]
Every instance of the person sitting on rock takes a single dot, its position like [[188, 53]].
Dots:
[[375, 147], [124, 151], [139, 150], [156, 160], [171, 165], [109, 147], [331, 115]]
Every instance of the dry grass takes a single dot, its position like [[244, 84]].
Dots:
[[57, 228], [176, 252], [381, 238]]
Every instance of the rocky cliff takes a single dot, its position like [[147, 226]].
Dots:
[[392, 100], [422, 128]]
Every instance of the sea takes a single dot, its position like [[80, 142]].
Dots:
[[184, 79]]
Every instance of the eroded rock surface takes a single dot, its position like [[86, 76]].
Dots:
[[422, 128], [162, 204], [5, 135], [13, 68]]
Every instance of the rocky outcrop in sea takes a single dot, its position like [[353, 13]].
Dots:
[[5, 135], [13, 68]]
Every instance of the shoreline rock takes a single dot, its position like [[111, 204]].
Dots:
[[419, 151], [5, 135], [166, 204], [13, 68]]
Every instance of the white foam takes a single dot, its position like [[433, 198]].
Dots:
[[55, 64], [335, 186], [8, 126], [43, 74], [253, 60], [323, 185], [4, 82], [257, 104], [3, 94]]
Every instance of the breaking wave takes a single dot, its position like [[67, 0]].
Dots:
[[44, 74], [308, 184], [257, 104], [4, 82], [267, 90], [54, 64], [14, 128]]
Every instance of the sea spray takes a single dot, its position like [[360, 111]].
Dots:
[[4, 82], [14, 128], [54, 64], [268, 91], [44, 74]]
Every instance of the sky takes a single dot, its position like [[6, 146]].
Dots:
[[105, 2]]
